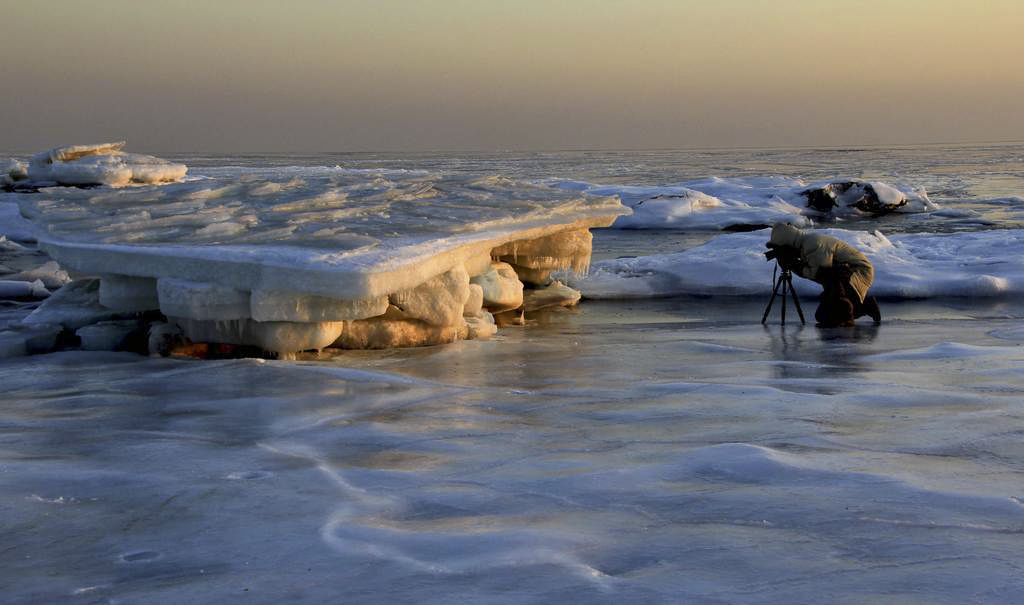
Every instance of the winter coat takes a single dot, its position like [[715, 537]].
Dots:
[[824, 252]]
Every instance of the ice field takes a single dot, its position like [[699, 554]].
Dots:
[[716, 462], [653, 443]]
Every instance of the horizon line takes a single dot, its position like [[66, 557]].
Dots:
[[852, 147]]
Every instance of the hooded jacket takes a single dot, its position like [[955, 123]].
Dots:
[[823, 252]]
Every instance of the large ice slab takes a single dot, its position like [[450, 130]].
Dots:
[[347, 237], [718, 203], [921, 265], [295, 265]]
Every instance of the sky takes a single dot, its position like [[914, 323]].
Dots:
[[422, 75]]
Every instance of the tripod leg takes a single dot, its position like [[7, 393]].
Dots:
[[768, 309], [796, 301], [785, 285]]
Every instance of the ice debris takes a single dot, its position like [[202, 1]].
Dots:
[[21, 289], [73, 306], [49, 274], [107, 335], [555, 294], [18, 340], [12, 172], [871, 198], [439, 301], [87, 165], [749, 203], [283, 337], [383, 333], [500, 288]]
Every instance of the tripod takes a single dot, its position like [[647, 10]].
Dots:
[[785, 282]]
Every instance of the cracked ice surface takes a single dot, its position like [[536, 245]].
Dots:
[[345, 236]]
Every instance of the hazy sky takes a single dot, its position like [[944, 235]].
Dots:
[[321, 75]]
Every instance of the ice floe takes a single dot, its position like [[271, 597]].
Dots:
[[921, 265], [743, 203]]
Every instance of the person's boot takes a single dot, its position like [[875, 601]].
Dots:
[[871, 309]]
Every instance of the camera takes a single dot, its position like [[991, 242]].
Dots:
[[788, 257]]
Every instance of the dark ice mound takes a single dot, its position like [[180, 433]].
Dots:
[[876, 199]]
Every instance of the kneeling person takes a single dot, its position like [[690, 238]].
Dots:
[[843, 271]]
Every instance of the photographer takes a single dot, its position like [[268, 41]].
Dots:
[[843, 271]]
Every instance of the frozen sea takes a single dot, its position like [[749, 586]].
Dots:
[[653, 450]]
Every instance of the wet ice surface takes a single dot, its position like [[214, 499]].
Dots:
[[719, 461]]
